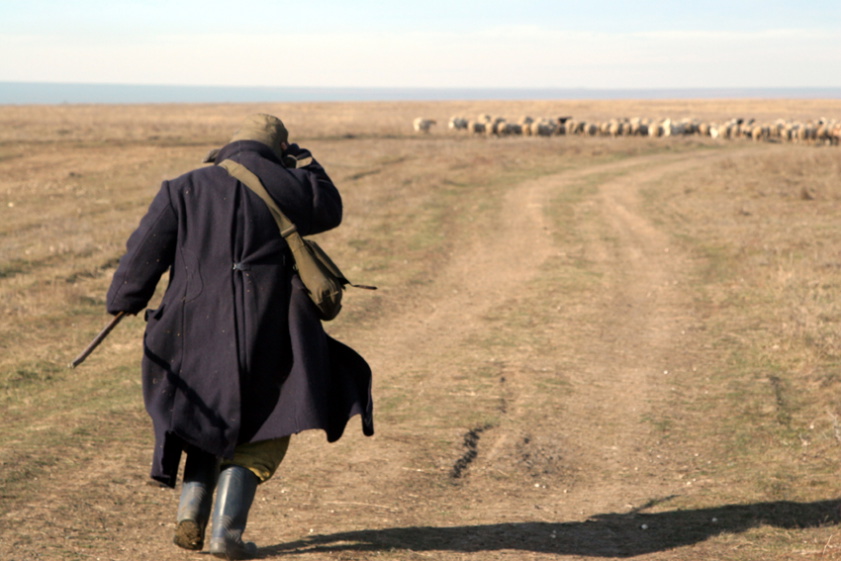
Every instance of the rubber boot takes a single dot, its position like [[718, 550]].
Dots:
[[234, 495], [200, 473]]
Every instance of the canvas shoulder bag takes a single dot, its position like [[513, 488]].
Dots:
[[323, 280]]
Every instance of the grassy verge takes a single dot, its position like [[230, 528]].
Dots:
[[762, 401]]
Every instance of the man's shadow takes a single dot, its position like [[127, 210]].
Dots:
[[604, 535]]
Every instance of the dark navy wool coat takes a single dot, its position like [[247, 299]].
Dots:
[[236, 352]]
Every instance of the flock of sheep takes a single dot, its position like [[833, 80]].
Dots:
[[821, 131]]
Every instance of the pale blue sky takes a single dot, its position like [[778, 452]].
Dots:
[[435, 43]]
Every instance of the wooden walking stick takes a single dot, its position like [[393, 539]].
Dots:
[[97, 340]]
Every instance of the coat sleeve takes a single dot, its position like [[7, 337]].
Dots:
[[325, 209], [150, 251]]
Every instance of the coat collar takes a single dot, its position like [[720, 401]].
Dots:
[[240, 146]]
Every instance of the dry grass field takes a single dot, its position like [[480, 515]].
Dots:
[[583, 348]]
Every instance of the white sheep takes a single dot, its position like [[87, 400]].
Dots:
[[760, 132], [457, 123], [823, 132], [423, 125], [476, 127], [639, 126], [835, 134], [506, 128], [493, 125], [616, 127], [655, 129], [574, 126], [544, 127], [562, 125]]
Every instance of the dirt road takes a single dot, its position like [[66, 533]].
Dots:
[[564, 444]]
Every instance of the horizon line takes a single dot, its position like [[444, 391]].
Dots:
[[395, 87], [83, 93]]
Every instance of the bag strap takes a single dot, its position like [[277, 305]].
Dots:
[[287, 229], [246, 176]]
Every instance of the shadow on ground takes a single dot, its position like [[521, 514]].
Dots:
[[605, 535]]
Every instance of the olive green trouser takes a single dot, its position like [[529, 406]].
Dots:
[[261, 458]]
